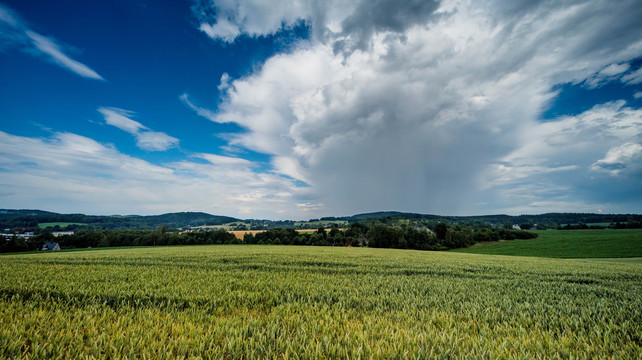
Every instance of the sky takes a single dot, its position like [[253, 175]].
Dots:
[[298, 109]]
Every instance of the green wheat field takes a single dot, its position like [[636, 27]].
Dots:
[[289, 302], [604, 243]]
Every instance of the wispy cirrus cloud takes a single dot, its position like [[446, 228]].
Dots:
[[146, 139], [49, 47], [633, 78], [203, 112], [155, 141], [120, 119], [14, 31]]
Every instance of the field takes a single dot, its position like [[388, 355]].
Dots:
[[241, 233], [604, 243], [61, 224], [322, 223], [244, 301]]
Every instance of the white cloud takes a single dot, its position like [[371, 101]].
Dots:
[[350, 24], [225, 160], [252, 17], [606, 75], [633, 78], [223, 30], [208, 114], [638, 95], [375, 113], [619, 158], [14, 31], [72, 173], [225, 82], [614, 69], [7, 17], [289, 166], [48, 47], [120, 119], [145, 138], [556, 162], [155, 141]]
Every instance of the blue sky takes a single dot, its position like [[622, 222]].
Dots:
[[298, 109]]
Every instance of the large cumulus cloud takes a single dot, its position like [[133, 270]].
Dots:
[[432, 107]]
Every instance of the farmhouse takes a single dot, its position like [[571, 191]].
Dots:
[[51, 246]]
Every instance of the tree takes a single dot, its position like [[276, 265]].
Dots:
[[248, 238], [317, 239], [525, 226], [419, 239], [458, 238], [383, 236], [440, 230]]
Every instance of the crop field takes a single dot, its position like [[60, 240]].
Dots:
[[605, 243], [241, 233], [289, 302]]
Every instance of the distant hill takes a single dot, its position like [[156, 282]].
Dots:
[[31, 218], [393, 214], [500, 219], [12, 219]]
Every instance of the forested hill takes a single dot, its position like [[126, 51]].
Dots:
[[31, 218], [15, 219], [496, 220]]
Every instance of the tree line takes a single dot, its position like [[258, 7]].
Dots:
[[119, 238], [377, 235]]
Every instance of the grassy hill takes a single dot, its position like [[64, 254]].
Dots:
[[606, 243]]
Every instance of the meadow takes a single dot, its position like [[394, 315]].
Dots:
[[603, 243], [291, 302], [61, 224]]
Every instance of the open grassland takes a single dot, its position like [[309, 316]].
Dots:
[[315, 302], [605, 243]]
